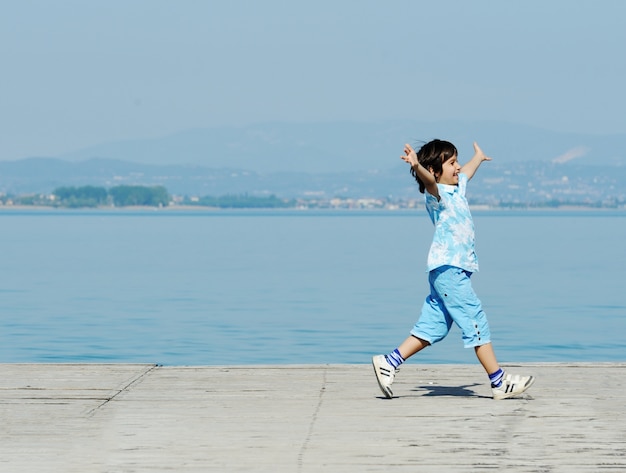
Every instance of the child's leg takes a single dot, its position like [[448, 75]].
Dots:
[[432, 326], [433, 323], [411, 346], [464, 307], [385, 366], [503, 385], [487, 358], [407, 348]]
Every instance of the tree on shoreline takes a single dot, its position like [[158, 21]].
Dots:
[[119, 196], [86, 196], [124, 196]]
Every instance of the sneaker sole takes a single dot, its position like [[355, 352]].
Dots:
[[530, 382], [385, 389]]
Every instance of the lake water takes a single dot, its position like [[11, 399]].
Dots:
[[254, 287]]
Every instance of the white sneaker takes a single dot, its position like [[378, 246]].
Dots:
[[512, 385], [384, 374]]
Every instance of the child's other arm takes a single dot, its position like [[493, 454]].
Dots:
[[470, 168], [427, 177]]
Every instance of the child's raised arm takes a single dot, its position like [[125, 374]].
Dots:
[[470, 168], [427, 177]]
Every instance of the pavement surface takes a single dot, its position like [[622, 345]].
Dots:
[[332, 418]]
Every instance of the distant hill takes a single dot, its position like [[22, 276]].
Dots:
[[531, 181], [351, 147], [337, 160]]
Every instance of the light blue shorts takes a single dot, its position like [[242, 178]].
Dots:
[[452, 299]]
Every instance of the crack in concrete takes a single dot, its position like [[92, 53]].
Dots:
[[305, 444], [134, 380]]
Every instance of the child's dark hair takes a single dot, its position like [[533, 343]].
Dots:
[[432, 155]]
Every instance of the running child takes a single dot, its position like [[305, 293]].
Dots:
[[451, 262]]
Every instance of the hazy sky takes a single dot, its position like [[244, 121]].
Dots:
[[77, 73]]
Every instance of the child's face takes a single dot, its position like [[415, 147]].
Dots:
[[450, 172]]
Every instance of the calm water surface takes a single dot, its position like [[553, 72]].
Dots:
[[213, 288]]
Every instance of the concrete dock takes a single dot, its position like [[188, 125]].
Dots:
[[332, 418]]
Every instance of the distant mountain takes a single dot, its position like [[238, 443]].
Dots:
[[336, 160], [43, 175], [566, 179], [351, 147]]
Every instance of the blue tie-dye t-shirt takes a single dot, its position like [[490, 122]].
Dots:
[[453, 242]]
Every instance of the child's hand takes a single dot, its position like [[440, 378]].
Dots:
[[478, 153], [409, 156]]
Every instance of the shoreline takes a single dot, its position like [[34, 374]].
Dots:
[[328, 210]]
